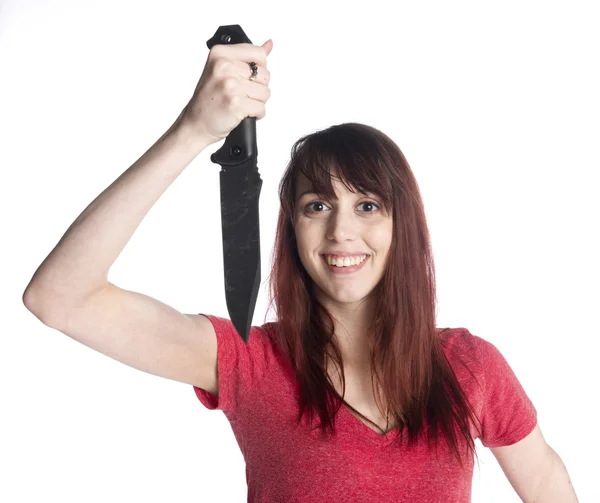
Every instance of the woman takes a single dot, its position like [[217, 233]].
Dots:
[[399, 401]]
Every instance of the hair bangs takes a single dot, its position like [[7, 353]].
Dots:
[[336, 154]]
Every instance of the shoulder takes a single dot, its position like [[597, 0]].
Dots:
[[465, 351], [257, 352], [460, 343], [224, 325]]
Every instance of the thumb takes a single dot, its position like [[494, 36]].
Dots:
[[268, 45]]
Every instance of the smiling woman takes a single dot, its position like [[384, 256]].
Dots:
[[355, 342], [348, 190]]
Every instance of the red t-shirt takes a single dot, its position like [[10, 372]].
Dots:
[[258, 393]]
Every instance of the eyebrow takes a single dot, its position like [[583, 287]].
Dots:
[[309, 191]]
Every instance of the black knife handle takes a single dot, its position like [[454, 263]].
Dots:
[[240, 144], [229, 34]]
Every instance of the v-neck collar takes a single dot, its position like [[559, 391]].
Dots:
[[359, 430]]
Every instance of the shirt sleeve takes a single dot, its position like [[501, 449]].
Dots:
[[240, 367], [507, 414]]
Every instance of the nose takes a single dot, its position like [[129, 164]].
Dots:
[[341, 226]]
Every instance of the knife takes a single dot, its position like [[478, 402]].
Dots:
[[240, 191]]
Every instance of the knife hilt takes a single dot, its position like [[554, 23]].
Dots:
[[240, 144]]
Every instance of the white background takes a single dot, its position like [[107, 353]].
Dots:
[[496, 107]]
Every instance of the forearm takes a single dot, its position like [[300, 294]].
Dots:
[[80, 262], [555, 486]]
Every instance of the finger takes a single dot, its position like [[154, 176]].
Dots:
[[268, 45], [247, 53], [255, 109], [255, 91], [263, 76]]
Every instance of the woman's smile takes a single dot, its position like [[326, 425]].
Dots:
[[345, 269]]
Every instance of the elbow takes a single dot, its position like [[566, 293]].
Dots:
[[35, 304], [29, 299]]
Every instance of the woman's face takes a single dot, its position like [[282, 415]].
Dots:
[[356, 225]]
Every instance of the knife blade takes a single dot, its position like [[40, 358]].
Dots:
[[240, 185]]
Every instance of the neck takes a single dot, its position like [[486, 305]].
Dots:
[[352, 324]]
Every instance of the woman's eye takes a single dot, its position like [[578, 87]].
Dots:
[[318, 204], [308, 206], [370, 203]]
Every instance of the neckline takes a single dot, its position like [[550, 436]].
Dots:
[[360, 430]]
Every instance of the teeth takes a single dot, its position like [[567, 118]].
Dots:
[[344, 261]]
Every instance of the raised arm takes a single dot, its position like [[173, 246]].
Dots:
[[70, 290]]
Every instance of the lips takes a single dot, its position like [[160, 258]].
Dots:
[[346, 269]]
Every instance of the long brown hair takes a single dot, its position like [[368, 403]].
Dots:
[[423, 388]]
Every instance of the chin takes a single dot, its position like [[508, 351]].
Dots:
[[346, 297]]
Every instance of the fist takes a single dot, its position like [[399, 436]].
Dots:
[[225, 95]]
